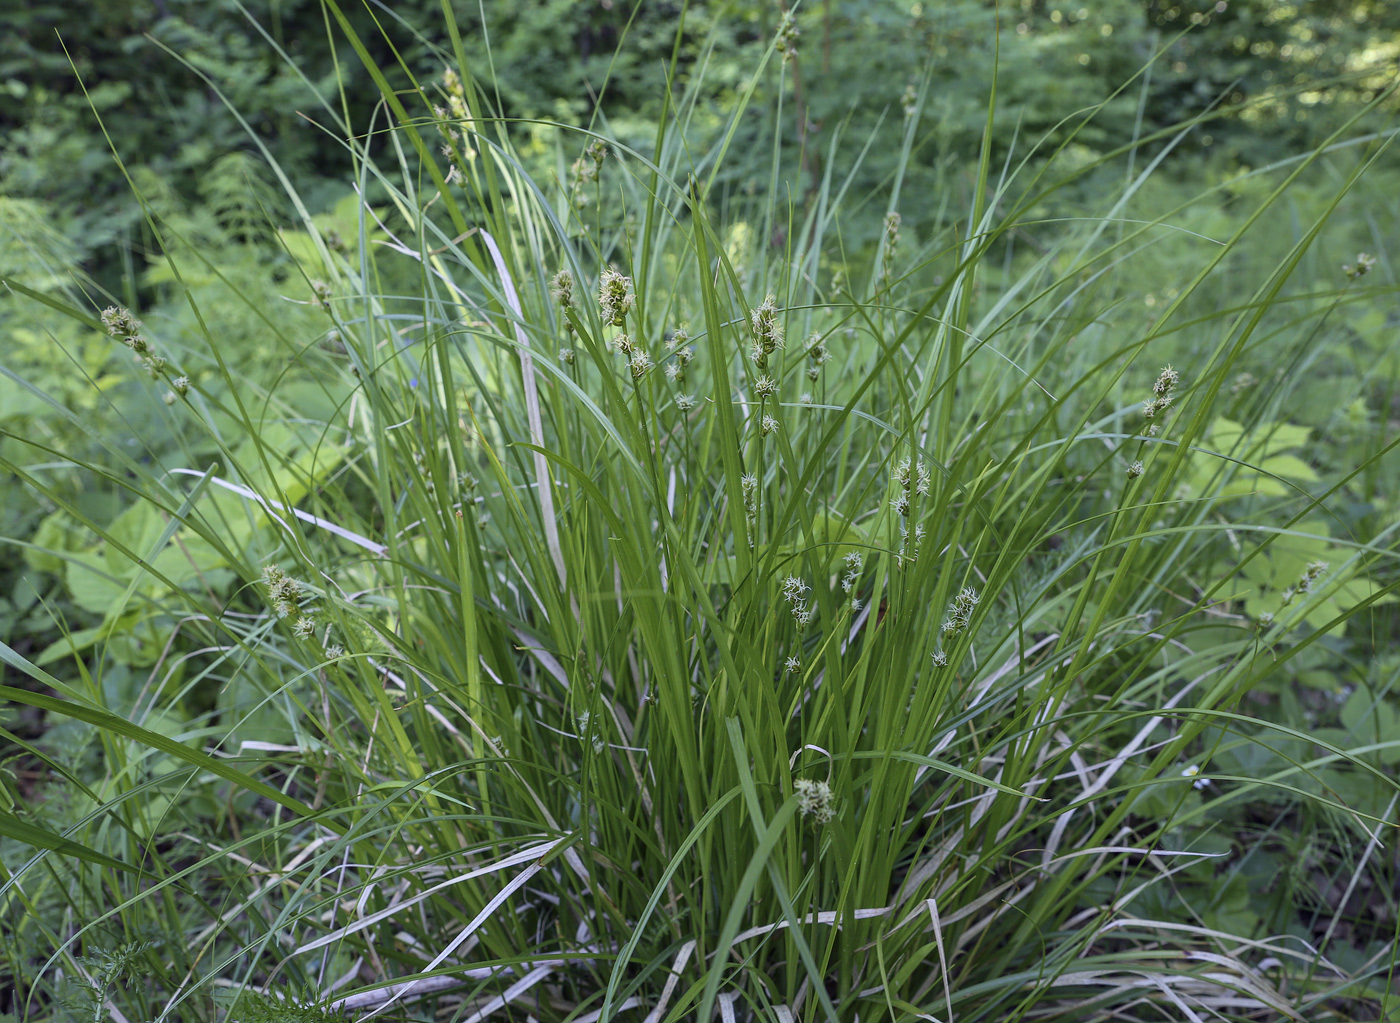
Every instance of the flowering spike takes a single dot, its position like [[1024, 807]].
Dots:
[[614, 296], [814, 799]]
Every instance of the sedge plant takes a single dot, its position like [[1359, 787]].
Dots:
[[664, 616]]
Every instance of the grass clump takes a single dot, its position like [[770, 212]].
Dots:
[[612, 608]]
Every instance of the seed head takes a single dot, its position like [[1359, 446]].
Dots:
[[685, 402], [1162, 395], [913, 477], [281, 588], [910, 100], [614, 296], [749, 484], [585, 170], [1311, 574], [793, 589], [561, 288], [909, 541], [120, 323], [851, 578], [960, 610], [767, 330], [452, 82], [892, 220], [765, 387], [786, 40], [1134, 470], [814, 799]]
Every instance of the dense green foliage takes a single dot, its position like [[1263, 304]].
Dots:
[[180, 84], [683, 512]]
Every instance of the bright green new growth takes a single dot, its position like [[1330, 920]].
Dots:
[[671, 695]]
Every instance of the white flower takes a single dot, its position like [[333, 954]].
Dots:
[[1193, 771]]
